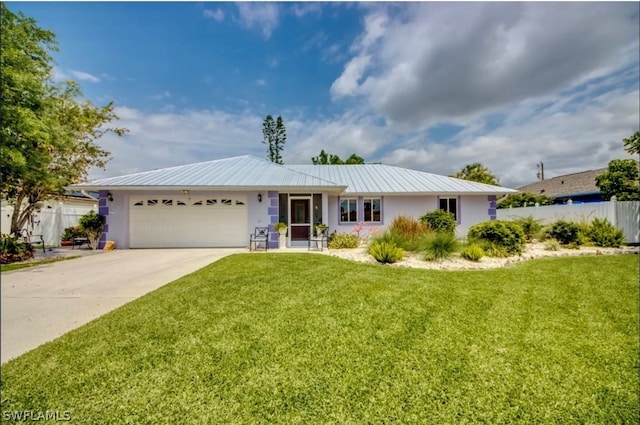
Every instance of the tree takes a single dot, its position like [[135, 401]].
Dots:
[[275, 135], [620, 180], [632, 143], [478, 173], [48, 132], [93, 225], [325, 158], [524, 199]]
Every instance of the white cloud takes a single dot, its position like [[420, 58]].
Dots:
[[84, 76], [217, 15], [264, 16], [432, 61], [348, 83], [261, 82]]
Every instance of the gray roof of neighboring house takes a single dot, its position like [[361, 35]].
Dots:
[[249, 172], [242, 172], [387, 179], [574, 184]]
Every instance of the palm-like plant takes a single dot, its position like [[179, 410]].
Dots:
[[478, 173]]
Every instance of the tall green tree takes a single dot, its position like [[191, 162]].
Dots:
[[632, 143], [48, 132], [620, 180], [478, 173], [325, 158], [274, 134]]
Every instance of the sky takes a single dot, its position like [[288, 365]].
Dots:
[[427, 86]]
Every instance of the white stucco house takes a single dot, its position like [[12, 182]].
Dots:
[[219, 203]]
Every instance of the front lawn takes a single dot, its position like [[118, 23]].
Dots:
[[310, 339]]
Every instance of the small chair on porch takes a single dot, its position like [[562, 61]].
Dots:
[[260, 235], [319, 239]]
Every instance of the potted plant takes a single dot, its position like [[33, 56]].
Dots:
[[280, 228], [319, 228], [69, 234]]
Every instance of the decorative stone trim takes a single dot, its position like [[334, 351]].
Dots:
[[492, 207], [273, 211]]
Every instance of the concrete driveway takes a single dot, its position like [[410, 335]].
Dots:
[[44, 302]]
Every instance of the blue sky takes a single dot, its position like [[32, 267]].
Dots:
[[428, 86]]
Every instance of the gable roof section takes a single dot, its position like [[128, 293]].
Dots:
[[582, 183], [386, 179], [238, 173]]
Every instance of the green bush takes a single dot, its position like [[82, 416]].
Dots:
[[530, 226], [472, 253], [385, 252], [603, 233], [441, 245], [440, 221], [93, 225], [498, 238], [566, 232], [344, 240], [14, 249], [73, 232]]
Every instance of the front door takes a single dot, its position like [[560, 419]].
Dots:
[[300, 220]]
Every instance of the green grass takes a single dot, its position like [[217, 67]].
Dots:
[[311, 339], [25, 264]]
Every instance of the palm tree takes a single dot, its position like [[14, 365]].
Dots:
[[478, 173]]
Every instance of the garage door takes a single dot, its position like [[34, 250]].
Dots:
[[188, 222]]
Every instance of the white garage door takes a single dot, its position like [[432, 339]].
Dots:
[[188, 221]]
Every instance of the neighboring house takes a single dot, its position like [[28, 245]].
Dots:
[[579, 187], [219, 203]]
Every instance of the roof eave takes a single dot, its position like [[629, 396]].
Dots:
[[139, 188]]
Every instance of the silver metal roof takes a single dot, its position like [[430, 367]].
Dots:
[[249, 172], [386, 179], [238, 173]]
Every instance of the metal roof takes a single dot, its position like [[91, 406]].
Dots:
[[387, 179], [249, 172], [242, 172]]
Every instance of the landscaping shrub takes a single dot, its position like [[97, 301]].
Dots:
[[439, 221], [441, 245], [566, 232], [93, 225], [13, 250], [408, 227], [530, 226], [409, 231], [603, 233], [385, 252], [552, 245], [472, 253], [498, 238], [344, 240]]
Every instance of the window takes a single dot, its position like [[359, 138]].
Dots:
[[451, 205], [348, 210], [372, 210]]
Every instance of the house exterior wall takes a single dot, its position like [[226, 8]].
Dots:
[[472, 209], [118, 215]]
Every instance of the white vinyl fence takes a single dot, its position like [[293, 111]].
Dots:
[[625, 215], [49, 222]]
